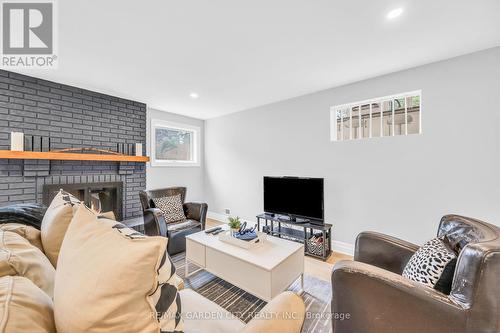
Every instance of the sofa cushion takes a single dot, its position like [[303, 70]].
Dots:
[[29, 233], [201, 315], [55, 223], [108, 215], [171, 208], [19, 257], [24, 308], [183, 225], [130, 276]]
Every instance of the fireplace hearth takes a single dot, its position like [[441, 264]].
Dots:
[[100, 197]]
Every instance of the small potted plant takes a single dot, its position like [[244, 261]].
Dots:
[[234, 224]]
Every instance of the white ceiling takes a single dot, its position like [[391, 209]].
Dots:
[[241, 54]]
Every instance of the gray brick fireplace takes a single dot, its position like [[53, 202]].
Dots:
[[72, 118]]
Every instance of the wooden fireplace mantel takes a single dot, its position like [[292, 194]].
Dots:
[[35, 155]]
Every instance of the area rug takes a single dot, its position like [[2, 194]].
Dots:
[[243, 305]]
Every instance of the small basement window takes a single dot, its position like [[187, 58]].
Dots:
[[378, 117], [174, 144]]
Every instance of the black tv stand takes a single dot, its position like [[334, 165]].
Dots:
[[275, 225], [289, 218]]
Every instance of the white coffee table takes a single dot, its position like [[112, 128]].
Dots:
[[264, 271]]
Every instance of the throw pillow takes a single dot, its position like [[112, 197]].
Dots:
[[432, 265], [171, 208], [19, 257], [29, 233], [129, 276], [109, 215], [24, 308], [55, 223]]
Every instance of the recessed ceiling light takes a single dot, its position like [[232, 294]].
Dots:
[[193, 95], [394, 13]]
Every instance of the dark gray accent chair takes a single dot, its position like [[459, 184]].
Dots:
[[155, 225], [380, 300]]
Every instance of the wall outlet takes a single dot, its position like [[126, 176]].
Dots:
[[227, 211]]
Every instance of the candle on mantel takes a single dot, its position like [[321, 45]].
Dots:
[[17, 141], [138, 149]]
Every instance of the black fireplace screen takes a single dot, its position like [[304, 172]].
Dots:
[[100, 197]]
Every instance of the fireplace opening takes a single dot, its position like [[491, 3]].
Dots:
[[100, 197]]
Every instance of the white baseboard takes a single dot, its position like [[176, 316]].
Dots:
[[223, 218], [343, 247], [217, 216], [337, 246]]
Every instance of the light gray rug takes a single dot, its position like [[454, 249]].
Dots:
[[243, 305]]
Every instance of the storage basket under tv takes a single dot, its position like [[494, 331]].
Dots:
[[316, 248]]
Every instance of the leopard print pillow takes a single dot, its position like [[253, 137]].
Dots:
[[432, 265], [171, 208]]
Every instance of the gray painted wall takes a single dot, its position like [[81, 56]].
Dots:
[[399, 185], [72, 118], [164, 176]]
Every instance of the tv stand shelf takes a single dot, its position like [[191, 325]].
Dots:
[[300, 232]]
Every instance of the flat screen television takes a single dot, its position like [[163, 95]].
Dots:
[[295, 197]]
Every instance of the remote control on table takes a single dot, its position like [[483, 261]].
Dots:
[[212, 230]]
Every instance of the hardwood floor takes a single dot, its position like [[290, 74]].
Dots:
[[210, 223], [312, 266]]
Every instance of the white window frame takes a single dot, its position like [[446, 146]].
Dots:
[[195, 144], [334, 109]]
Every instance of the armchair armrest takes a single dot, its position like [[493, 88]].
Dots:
[[154, 222], [389, 253], [380, 301], [196, 211], [284, 313]]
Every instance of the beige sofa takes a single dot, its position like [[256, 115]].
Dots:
[[285, 313]]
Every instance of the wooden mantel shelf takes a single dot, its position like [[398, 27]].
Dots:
[[34, 155]]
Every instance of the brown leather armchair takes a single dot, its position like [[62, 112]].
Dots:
[[379, 300], [155, 225]]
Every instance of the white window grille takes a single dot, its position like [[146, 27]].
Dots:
[[377, 117]]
